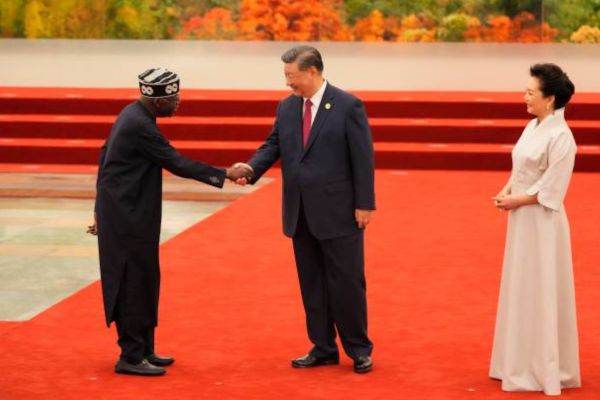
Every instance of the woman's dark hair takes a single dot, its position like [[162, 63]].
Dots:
[[553, 82]]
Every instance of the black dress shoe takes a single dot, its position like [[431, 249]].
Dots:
[[363, 364], [159, 361], [309, 361], [144, 368]]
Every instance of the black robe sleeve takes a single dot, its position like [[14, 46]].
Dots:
[[157, 148], [100, 165]]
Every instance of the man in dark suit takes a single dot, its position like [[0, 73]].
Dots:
[[322, 136], [127, 217]]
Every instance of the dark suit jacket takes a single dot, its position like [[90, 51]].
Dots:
[[333, 175]]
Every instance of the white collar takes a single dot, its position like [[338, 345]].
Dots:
[[560, 113], [556, 117], [317, 97]]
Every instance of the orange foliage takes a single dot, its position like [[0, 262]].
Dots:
[[499, 30], [411, 22], [313, 20], [527, 30], [549, 33], [216, 24], [473, 32], [523, 28], [415, 29], [294, 20], [371, 28], [377, 28]]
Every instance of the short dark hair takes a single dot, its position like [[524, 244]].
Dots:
[[553, 82], [306, 56]]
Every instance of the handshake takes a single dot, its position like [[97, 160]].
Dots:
[[239, 173]]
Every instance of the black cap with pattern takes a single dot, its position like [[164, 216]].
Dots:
[[158, 82]]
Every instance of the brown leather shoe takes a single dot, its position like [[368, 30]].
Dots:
[[363, 364], [144, 368], [309, 361], [159, 361]]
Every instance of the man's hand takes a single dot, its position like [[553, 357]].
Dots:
[[240, 173], [363, 217], [93, 229]]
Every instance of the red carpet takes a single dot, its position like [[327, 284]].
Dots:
[[232, 316], [454, 130], [393, 155], [475, 129], [109, 101]]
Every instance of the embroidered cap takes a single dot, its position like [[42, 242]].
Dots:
[[158, 82]]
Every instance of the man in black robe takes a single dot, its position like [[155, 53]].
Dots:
[[128, 216]]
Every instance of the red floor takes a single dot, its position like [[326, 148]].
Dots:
[[231, 312]]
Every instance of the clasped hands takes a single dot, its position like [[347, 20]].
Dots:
[[506, 201], [240, 173]]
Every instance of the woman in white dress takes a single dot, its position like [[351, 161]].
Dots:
[[535, 340]]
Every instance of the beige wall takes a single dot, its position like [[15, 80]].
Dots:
[[256, 65]]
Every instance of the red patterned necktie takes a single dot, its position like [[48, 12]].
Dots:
[[306, 120]]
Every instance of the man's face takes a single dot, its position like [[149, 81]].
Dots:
[[302, 83], [167, 106]]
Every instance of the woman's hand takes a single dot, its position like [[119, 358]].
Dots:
[[506, 201], [512, 201], [505, 192]]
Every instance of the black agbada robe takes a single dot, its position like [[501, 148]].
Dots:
[[128, 208]]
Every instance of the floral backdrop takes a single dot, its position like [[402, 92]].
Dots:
[[573, 21]]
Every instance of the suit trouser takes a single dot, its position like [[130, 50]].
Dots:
[[135, 342], [332, 282]]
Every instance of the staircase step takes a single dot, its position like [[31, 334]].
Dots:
[[448, 130], [389, 155], [243, 103], [411, 130]]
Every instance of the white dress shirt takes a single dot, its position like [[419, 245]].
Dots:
[[316, 102]]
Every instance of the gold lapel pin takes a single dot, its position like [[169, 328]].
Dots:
[[327, 106]]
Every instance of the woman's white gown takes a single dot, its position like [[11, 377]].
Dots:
[[535, 340]]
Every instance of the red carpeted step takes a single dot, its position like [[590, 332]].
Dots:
[[222, 126], [86, 151], [257, 128], [102, 101], [390, 155], [99, 126], [465, 156]]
